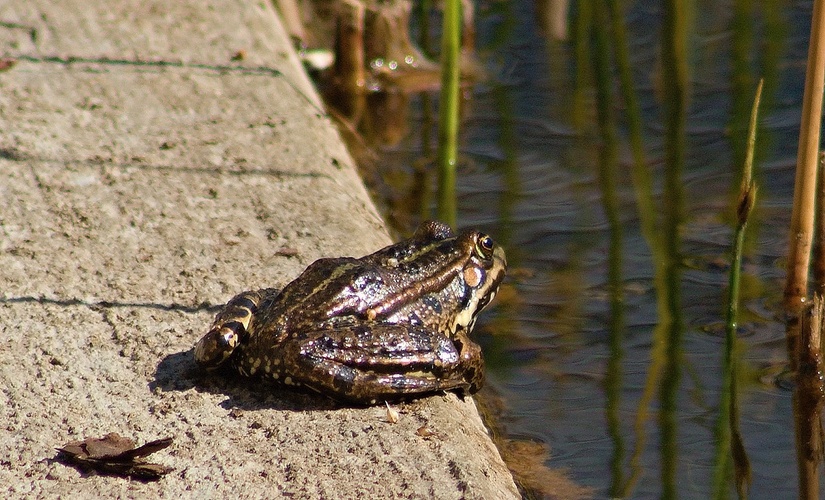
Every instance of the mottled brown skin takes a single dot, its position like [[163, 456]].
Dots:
[[389, 325]]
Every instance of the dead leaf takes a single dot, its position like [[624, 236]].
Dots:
[[116, 455]]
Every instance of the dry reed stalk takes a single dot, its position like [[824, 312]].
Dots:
[[804, 205], [347, 92], [803, 333], [819, 237], [808, 401]]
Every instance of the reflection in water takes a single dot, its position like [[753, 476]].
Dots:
[[605, 165], [675, 82], [608, 181]]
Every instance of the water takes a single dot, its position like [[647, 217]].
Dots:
[[570, 352]]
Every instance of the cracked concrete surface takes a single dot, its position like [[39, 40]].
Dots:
[[146, 177]]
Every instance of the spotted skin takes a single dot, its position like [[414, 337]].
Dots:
[[390, 325]]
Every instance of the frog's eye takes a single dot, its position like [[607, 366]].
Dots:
[[484, 245]]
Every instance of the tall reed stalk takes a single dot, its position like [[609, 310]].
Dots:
[[449, 111], [729, 443], [804, 205]]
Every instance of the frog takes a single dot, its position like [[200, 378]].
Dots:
[[391, 325]]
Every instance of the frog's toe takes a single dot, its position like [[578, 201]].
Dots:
[[218, 344]]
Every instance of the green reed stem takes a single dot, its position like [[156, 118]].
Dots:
[[609, 179], [648, 212], [641, 175], [728, 438], [676, 28], [448, 111], [581, 33]]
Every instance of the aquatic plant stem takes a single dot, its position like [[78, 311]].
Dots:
[[581, 32], [808, 400], [728, 438], [423, 8], [675, 93], [349, 70], [818, 268], [802, 219], [648, 211], [608, 180], [449, 111]]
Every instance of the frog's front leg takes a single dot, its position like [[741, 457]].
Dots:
[[471, 361], [373, 362], [230, 328]]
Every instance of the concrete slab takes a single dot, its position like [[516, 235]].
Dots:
[[145, 176]]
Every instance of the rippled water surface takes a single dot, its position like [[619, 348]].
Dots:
[[625, 393]]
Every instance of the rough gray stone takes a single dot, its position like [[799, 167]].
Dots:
[[145, 175]]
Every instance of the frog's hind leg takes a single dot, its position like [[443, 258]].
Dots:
[[384, 362], [230, 328]]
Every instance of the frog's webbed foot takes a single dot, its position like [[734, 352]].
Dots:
[[230, 328], [370, 363]]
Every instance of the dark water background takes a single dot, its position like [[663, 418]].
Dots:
[[626, 394]]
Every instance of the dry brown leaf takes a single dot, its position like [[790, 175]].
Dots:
[[116, 455]]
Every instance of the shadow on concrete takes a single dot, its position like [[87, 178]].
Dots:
[[179, 372]]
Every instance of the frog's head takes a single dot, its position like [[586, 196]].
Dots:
[[440, 279], [483, 271]]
